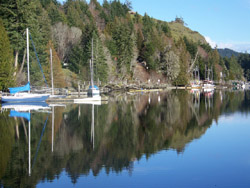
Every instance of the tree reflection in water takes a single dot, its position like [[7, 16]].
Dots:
[[127, 128]]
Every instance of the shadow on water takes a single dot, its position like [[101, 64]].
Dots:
[[81, 139]]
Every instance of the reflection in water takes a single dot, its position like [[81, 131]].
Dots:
[[85, 138]]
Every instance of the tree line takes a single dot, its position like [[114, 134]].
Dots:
[[121, 37]]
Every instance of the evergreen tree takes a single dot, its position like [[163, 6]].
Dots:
[[183, 77], [244, 61], [148, 26], [235, 70], [77, 13], [191, 47], [6, 60], [122, 43], [55, 14], [100, 64], [18, 15], [77, 59]]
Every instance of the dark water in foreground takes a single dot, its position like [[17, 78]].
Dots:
[[170, 139]]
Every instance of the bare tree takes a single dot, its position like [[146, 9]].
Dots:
[[65, 37], [170, 64]]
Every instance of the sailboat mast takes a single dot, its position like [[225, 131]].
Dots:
[[205, 72], [51, 70], [28, 59], [92, 64]]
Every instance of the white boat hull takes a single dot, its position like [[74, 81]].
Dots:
[[25, 97], [92, 92], [89, 100]]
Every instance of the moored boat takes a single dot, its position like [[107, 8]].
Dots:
[[17, 95]]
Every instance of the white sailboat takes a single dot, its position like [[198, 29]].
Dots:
[[17, 94], [208, 84], [93, 89], [195, 83]]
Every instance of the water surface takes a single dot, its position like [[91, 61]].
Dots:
[[166, 139]]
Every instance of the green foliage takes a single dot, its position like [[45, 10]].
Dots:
[[55, 14], [146, 54], [124, 33], [76, 12], [21, 14], [148, 25], [48, 3], [165, 28], [244, 61], [117, 9], [6, 60], [15, 15], [100, 64], [183, 77], [191, 47], [206, 47], [77, 59], [235, 70], [122, 43]]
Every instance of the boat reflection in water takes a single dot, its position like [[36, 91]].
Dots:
[[27, 106], [23, 110]]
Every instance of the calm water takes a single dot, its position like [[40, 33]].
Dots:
[[169, 139]]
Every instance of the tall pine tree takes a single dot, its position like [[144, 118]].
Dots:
[[6, 60]]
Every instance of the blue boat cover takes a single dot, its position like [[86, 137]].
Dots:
[[25, 115], [14, 90], [90, 87]]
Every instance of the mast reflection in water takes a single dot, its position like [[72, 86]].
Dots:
[[176, 139]]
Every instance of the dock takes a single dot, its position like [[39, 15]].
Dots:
[[71, 99]]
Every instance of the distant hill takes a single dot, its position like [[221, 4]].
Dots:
[[226, 52]]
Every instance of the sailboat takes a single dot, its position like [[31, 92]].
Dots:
[[208, 84], [93, 89], [195, 83], [17, 94]]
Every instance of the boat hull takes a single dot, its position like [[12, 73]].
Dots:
[[89, 100], [25, 97], [92, 92]]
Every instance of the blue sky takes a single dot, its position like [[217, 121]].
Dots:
[[225, 23]]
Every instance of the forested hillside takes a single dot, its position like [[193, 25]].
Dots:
[[124, 42]]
